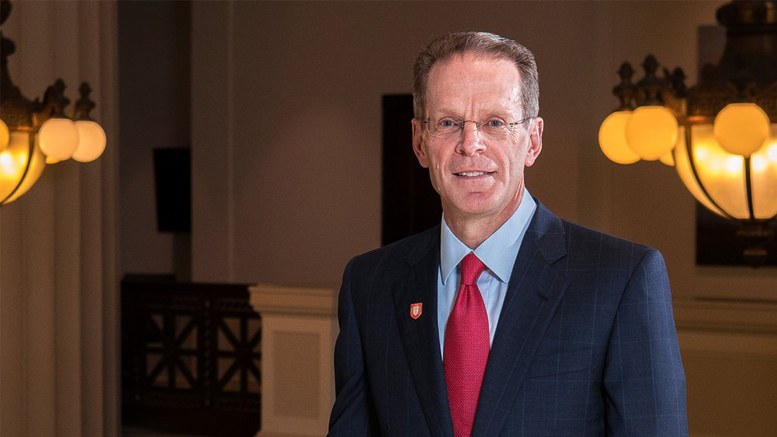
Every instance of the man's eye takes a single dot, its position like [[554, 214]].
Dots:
[[495, 123], [447, 123]]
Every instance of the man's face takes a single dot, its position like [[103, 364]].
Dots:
[[477, 175]]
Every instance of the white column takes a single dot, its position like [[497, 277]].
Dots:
[[58, 294], [299, 326]]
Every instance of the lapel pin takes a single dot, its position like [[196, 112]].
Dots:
[[415, 310]]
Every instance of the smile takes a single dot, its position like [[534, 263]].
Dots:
[[472, 173]]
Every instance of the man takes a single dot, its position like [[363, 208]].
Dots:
[[504, 320]]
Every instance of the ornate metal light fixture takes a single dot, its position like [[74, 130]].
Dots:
[[33, 134], [721, 134]]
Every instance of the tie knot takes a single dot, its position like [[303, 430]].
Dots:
[[471, 268]]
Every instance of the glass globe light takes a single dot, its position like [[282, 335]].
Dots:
[[721, 173], [58, 138], [651, 132], [91, 141], [612, 138], [14, 160], [684, 168], [741, 128], [764, 174], [5, 135]]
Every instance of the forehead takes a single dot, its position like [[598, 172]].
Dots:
[[474, 81]]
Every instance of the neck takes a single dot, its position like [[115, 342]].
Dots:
[[475, 229]]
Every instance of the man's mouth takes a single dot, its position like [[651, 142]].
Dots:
[[472, 173]]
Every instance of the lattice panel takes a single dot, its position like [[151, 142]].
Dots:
[[239, 356], [191, 348]]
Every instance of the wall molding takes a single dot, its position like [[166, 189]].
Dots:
[[729, 351], [727, 315]]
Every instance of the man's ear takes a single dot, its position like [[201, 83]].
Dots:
[[535, 141], [418, 144]]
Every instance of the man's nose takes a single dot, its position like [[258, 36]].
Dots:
[[471, 139]]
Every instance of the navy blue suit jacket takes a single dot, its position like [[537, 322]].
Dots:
[[586, 343]]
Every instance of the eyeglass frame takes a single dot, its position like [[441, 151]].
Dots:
[[508, 126]]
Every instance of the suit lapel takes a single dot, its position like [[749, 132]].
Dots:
[[420, 337], [533, 294]]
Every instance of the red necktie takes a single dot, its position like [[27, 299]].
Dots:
[[466, 348]]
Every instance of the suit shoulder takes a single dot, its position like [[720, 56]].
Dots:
[[585, 242], [410, 247], [613, 263], [581, 245], [577, 231]]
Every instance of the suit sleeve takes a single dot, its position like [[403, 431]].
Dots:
[[353, 412], [644, 380]]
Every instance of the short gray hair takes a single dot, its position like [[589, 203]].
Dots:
[[483, 43]]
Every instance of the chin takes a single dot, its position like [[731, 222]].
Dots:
[[477, 209], [480, 203]]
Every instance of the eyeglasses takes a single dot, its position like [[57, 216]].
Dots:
[[449, 127]]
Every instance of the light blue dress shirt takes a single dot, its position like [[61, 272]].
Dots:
[[498, 253]]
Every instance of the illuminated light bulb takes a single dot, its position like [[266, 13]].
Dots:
[[772, 153], [5, 135], [612, 138], [741, 128], [710, 158], [763, 164], [651, 132], [13, 159], [700, 153], [50, 160], [91, 141], [759, 164], [683, 166], [21, 164], [27, 168], [6, 163], [722, 174], [734, 164], [58, 138]]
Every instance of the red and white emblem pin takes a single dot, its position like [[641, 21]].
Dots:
[[415, 310]]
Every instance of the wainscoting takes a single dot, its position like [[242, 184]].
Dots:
[[299, 327], [729, 351]]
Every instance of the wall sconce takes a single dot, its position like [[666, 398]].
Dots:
[[721, 134], [34, 134]]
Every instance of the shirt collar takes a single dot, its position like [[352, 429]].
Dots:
[[499, 250]]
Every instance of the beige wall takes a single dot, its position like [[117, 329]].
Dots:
[[154, 113]]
